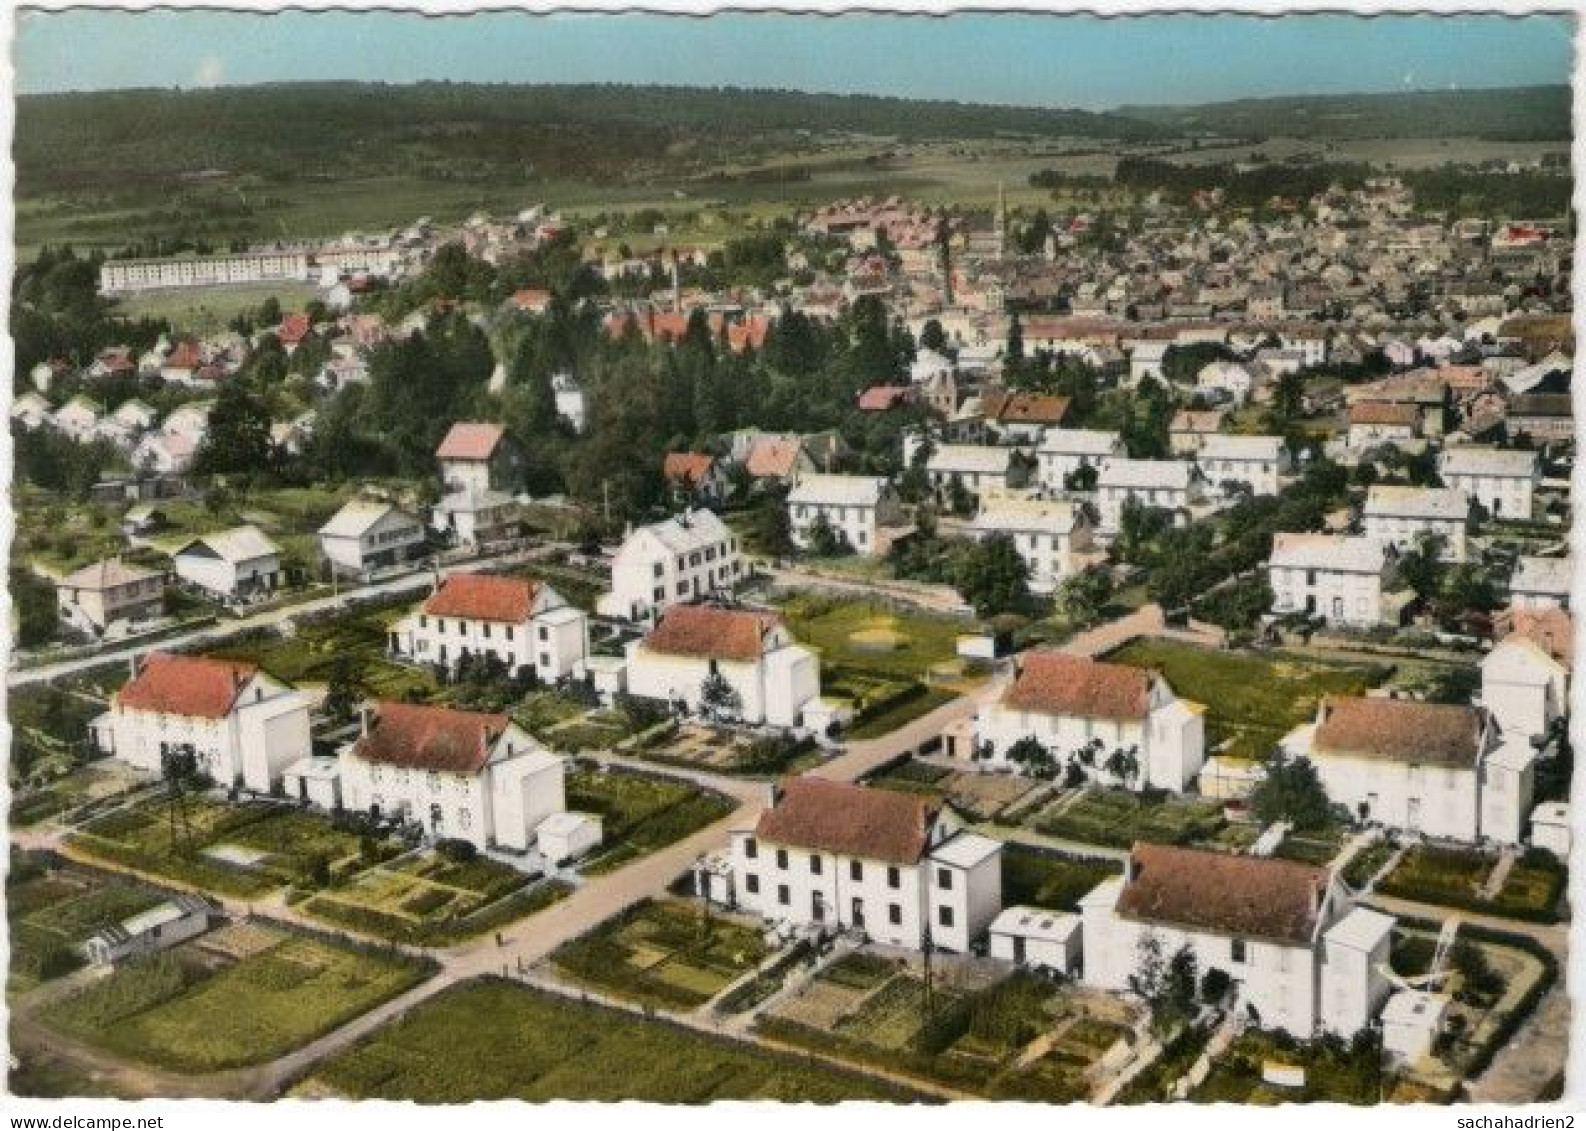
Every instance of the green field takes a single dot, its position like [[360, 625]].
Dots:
[[641, 812], [1252, 700], [185, 1010], [491, 1040], [913, 644], [208, 310]]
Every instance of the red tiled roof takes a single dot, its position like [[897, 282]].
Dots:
[[773, 457], [531, 298], [194, 686], [1400, 730], [470, 440], [882, 397], [850, 820], [1384, 412], [748, 334], [1056, 683], [1026, 408], [1250, 896], [418, 737], [293, 328], [711, 631], [184, 356], [1552, 630], [482, 596], [687, 467]]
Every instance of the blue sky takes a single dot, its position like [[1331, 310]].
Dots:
[[1082, 61]]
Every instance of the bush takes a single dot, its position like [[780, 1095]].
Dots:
[[457, 851]]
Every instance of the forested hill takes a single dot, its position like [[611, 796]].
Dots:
[[569, 130], [1527, 113]]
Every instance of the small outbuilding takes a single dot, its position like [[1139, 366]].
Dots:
[[1036, 937], [566, 836], [165, 925]]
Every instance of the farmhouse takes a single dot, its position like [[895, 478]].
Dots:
[[1340, 578], [854, 506], [459, 774], [235, 565], [1047, 534], [524, 624], [1113, 723], [1502, 481], [685, 558], [241, 725], [735, 664], [1300, 955], [105, 593], [897, 866], [368, 534], [1401, 516], [1437, 769]]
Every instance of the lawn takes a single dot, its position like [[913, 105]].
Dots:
[[664, 954], [425, 900], [1439, 875], [206, 310], [1036, 878], [642, 812], [917, 702], [1533, 887], [197, 1009], [493, 1040], [1118, 818], [857, 639], [1252, 700]]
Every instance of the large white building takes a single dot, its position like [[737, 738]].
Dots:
[[1081, 709], [242, 726], [1156, 484], [1503, 481], [1437, 769], [1258, 462], [368, 534], [1064, 451], [686, 558], [773, 678], [978, 468], [898, 866], [122, 276], [1400, 516], [1340, 578], [236, 564], [855, 506], [94, 598], [1301, 957], [521, 622], [460, 774], [1048, 533]]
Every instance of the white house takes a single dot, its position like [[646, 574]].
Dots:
[[1037, 937], [1541, 583], [1259, 462], [1437, 769], [461, 775], [1525, 678], [1146, 358], [523, 623], [1064, 451], [1400, 516], [1160, 484], [79, 417], [478, 456], [897, 866], [97, 596], [235, 564], [368, 534], [1340, 578], [242, 725], [855, 506], [30, 410], [684, 558], [1301, 957], [772, 677], [978, 468], [1503, 481], [1046, 532], [1374, 423], [1084, 713], [473, 517]]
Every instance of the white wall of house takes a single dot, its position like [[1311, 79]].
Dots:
[[1502, 496], [1403, 532], [1435, 801], [1170, 743], [1524, 689], [227, 578], [854, 522], [466, 474], [552, 642], [648, 576], [1341, 597], [774, 689], [392, 539]]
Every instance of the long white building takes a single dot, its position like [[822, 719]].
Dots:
[[1258, 462], [1064, 451], [1047, 533], [854, 506], [1503, 481], [1339, 578], [1399, 516], [123, 276]]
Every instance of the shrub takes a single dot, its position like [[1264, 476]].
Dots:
[[457, 851]]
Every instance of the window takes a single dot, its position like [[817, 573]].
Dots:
[[424, 622], [944, 879], [545, 633], [1239, 951], [894, 914], [657, 569], [782, 895], [508, 631], [856, 871], [751, 884], [944, 915], [781, 858], [815, 865], [894, 879], [486, 630], [751, 848]]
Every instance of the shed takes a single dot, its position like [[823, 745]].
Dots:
[[566, 836], [1034, 936], [316, 779], [1410, 1021]]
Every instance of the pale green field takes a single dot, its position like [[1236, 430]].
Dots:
[[207, 310]]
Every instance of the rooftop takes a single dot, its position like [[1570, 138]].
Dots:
[[850, 820], [191, 686], [1057, 683], [419, 737], [1248, 896], [1400, 730], [711, 631]]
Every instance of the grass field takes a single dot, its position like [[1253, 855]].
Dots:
[[1252, 700], [197, 1010], [1330, 1076], [492, 1040], [208, 310], [663, 954], [641, 812], [1044, 879], [830, 624]]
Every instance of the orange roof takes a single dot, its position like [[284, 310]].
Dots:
[[1026, 408], [1400, 730], [531, 298], [482, 596], [418, 737], [748, 334], [687, 467], [850, 820], [293, 328], [1550, 629], [879, 398], [195, 686], [711, 631], [1384, 412], [185, 355], [773, 457], [1255, 896], [470, 440], [1056, 683]]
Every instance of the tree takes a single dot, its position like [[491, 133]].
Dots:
[[825, 540], [345, 688], [1123, 763], [718, 699], [1291, 791], [932, 336], [1082, 478], [1166, 984], [1422, 568], [1033, 758], [772, 530], [1080, 599], [238, 441], [993, 577]]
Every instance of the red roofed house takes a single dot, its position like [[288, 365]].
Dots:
[[748, 334], [531, 300], [880, 398], [292, 330], [1525, 678], [1301, 956], [525, 624], [898, 866], [771, 677], [243, 726], [1097, 718], [476, 456], [694, 476], [460, 774]]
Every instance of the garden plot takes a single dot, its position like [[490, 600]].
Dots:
[[724, 751], [979, 796], [641, 812], [1458, 877], [665, 954], [200, 1009], [1117, 818], [52, 910]]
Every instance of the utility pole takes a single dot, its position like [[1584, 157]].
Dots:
[[605, 494], [926, 946]]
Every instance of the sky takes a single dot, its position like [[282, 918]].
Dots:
[[1036, 60]]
